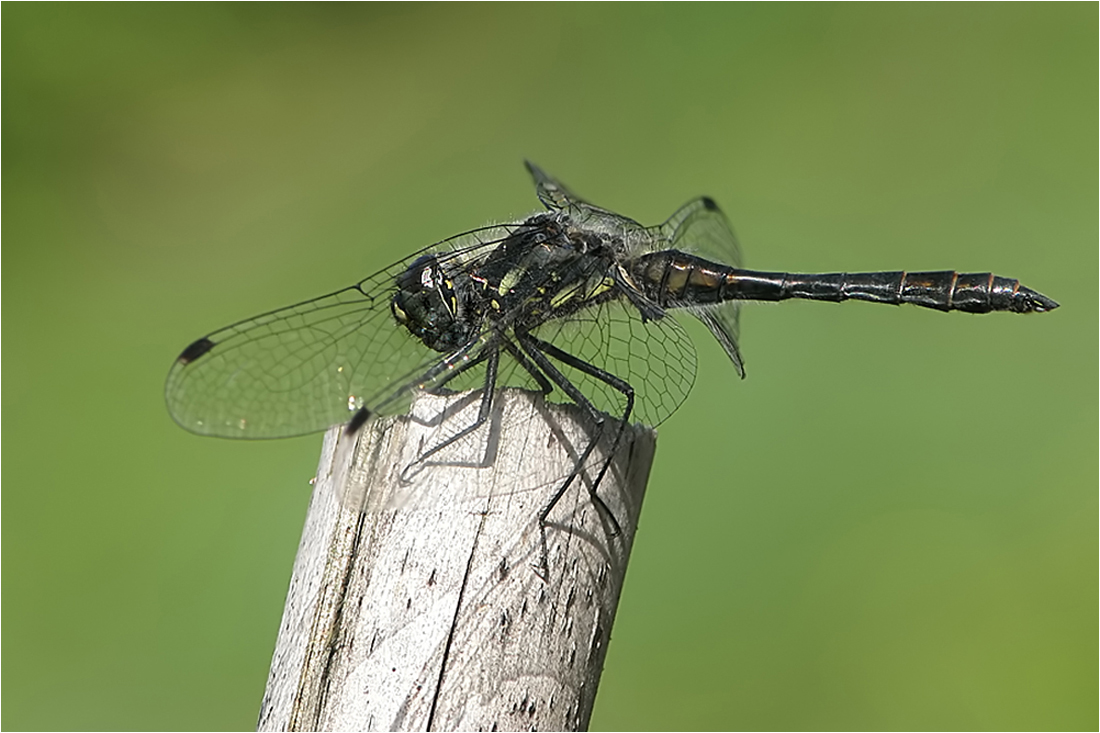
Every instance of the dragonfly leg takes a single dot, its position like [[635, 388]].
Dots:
[[612, 381], [538, 350], [492, 369], [491, 355], [544, 384], [444, 366]]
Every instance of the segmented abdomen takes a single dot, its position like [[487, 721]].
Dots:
[[677, 279]]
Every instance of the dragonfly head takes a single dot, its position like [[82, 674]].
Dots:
[[428, 305]]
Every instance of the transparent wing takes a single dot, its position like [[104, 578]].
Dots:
[[309, 366], [656, 357], [551, 192], [555, 196], [700, 227]]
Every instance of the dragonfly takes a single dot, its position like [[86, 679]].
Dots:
[[576, 302]]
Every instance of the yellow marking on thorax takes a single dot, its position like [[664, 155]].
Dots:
[[511, 278]]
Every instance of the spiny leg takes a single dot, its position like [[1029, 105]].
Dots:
[[364, 414], [535, 348], [491, 355], [523, 361], [616, 383]]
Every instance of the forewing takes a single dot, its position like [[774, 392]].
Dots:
[[551, 192], [700, 227], [555, 196], [312, 365]]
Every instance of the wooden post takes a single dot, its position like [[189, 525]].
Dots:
[[416, 600]]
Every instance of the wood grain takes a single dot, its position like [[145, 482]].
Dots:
[[417, 600]]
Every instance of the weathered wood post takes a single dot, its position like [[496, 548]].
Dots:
[[416, 601]]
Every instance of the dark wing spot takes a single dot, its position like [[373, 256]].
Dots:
[[195, 350], [358, 420], [710, 204]]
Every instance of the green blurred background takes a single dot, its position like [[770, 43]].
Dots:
[[892, 523]]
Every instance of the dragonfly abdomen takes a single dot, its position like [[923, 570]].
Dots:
[[675, 278], [944, 290]]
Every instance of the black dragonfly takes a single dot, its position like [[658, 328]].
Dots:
[[573, 302]]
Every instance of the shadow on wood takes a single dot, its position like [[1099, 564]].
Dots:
[[416, 600]]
